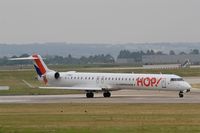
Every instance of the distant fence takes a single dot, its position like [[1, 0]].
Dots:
[[167, 66]]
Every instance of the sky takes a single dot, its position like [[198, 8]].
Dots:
[[99, 21]]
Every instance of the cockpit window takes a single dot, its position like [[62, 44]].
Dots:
[[176, 79]]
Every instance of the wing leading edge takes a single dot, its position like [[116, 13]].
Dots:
[[74, 88]]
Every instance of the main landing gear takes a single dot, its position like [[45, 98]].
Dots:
[[90, 94], [107, 94]]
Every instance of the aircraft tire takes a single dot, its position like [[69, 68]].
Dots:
[[181, 94], [90, 95], [107, 94]]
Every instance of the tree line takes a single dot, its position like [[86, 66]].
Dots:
[[137, 56], [95, 59]]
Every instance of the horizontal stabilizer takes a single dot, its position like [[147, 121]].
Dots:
[[74, 88], [24, 58]]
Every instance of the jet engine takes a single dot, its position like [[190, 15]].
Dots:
[[53, 75], [57, 75]]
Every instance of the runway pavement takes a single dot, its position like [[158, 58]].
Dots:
[[123, 96], [192, 80]]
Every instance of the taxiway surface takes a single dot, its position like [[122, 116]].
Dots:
[[123, 96]]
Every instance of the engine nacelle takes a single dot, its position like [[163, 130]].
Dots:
[[57, 75], [53, 75]]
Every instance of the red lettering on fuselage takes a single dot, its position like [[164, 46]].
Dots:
[[153, 81], [158, 82], [139, 81], [148, 81]]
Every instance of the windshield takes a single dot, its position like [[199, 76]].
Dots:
[[177, 79]]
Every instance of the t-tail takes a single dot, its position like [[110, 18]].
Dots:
[[39, 66]]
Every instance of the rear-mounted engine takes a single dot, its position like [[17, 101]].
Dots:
[[57, 75]]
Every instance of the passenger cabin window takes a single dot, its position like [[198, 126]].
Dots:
[[176, 79]]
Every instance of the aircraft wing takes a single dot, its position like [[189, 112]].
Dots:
[[74, 88]]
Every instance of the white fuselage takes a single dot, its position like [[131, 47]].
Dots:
[[92, 82], [117, 81]]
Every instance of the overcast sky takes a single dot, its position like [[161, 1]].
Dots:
[[99, 21]]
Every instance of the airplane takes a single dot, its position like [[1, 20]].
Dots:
[[186, 64], [105, 82]]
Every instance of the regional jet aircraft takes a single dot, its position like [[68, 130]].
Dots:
[[105, 82]]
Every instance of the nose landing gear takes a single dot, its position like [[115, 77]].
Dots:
[[181, 94]]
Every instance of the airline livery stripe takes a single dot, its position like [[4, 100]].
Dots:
[[39, 64]]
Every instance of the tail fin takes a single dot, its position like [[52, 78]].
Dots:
[[39, 65]]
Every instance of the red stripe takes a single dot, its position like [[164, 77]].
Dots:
[[39, 64], [45, 80]]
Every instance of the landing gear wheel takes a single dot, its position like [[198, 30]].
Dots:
[[89, 94], [181, 94], [107, 94]]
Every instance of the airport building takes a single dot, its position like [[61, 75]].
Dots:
[[125, 61], [162, 59], [170, 59]]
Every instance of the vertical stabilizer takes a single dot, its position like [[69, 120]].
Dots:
[[39, 65]]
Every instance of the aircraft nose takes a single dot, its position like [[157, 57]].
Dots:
[[188, 87]]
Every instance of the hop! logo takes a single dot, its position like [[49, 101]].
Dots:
[[147, 81]]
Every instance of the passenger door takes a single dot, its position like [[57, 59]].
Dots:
[[163, 83]]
